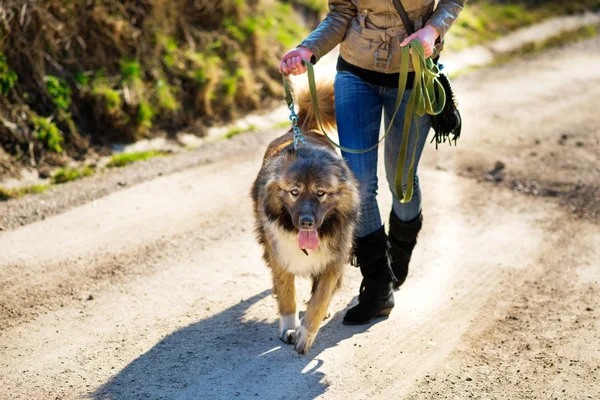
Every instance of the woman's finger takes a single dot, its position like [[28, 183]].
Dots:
[[295, 66], [290, 65], [407, 40], [283, 68], [297, 63]]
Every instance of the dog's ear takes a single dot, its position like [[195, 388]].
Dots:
[[272, 204]]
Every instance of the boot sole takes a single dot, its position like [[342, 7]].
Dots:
[[383, 313]]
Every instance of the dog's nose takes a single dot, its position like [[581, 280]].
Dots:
[[307, 221]]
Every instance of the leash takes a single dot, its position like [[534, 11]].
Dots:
[[424, 99]]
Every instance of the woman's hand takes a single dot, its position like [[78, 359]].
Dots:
[[291, 63], [428, 35]]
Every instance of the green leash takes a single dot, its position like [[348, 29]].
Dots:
[[423, 99]]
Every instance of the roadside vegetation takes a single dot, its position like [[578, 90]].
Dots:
[[121, 160], [77, 76], [485, 20], [81, 75], [6, 194]]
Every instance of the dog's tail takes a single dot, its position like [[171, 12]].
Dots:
[[307, 119]]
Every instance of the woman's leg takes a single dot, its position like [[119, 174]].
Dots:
[[393, 142], [405, 218], [358, 114]]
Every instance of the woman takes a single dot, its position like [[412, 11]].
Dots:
[[371, 34]]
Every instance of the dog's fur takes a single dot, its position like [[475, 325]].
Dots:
[[312, 169]]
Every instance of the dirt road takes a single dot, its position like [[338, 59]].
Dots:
[[158, 291]]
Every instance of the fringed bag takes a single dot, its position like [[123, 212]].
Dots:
[[448, 122]]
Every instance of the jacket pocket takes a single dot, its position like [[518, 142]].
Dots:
[[357, 49]]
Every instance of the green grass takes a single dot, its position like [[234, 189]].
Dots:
[[59, 92], [8, 77], [236, 131], [318, 6], [561, 39], [48, 133], [166, 100], [120, 160], [64, 175], [282, 124], [110, 98], [6, 194], [482, 21]]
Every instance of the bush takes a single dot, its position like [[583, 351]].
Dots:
[[48, 133]]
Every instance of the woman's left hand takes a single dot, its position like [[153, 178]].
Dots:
[[427, 35]]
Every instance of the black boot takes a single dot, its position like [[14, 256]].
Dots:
[[376, 296], [402, 238]]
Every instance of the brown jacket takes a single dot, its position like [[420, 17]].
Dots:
[[370, 31]]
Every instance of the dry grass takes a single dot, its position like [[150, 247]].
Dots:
[[113, 71]]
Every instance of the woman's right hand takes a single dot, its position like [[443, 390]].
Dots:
[[291, 63]]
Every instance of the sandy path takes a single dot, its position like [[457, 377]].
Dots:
[[158, 291]]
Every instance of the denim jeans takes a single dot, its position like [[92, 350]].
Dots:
[[358, 106]]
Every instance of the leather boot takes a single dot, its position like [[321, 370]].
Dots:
[[376, 297], [402, 238]]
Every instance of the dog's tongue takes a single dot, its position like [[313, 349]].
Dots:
[[308, 240]]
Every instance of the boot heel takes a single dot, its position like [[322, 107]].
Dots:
[[385, 312]]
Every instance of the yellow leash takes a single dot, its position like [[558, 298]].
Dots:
[[424, 99]]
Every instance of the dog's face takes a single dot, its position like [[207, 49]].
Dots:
[[311, 190]]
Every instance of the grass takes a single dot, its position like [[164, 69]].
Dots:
[[482, 21], [64, 175], [236, 131], [120, 160], [48, 133], [8, 77], [6, 194], [561, 39], [282, 124]]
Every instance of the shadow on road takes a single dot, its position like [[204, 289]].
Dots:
[[225, 356]]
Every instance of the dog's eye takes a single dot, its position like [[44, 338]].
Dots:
[[320, 193], [295, 192]]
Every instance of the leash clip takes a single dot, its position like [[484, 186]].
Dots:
[[298, 136]]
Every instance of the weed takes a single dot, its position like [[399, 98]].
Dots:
[[110, 97], [48, 133], [120, 160], [64, 175], [144, 115], [59, 92], [236, 131], [131, 70], [483, 21], [165, 99], [82, 78], [561, 39], [8, 77], [6, 194], [318, 6], [282, 124]]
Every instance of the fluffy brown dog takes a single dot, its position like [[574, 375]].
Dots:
[[306, 204]]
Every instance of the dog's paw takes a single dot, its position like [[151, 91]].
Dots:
[[304, 340], [289, 336], [287, 328]]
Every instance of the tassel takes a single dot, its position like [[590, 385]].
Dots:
[[448, 122]]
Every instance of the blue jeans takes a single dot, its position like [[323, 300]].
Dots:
[[358, 106]]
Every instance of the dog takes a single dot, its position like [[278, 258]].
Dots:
[[306, 207]]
